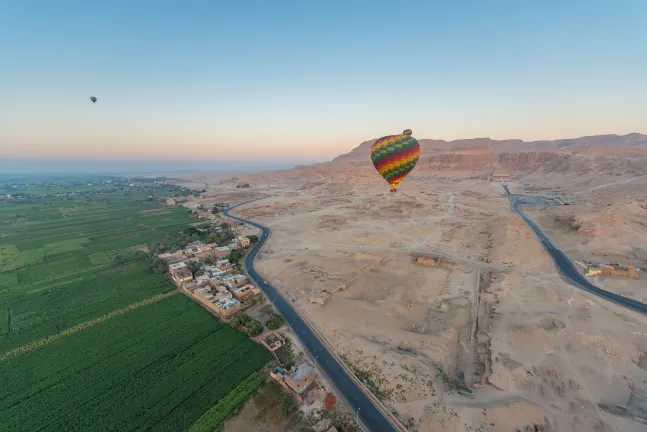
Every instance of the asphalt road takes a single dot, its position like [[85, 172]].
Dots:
[[370, 415], [567, 269]]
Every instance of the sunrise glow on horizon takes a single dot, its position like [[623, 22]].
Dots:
[[300, 81]]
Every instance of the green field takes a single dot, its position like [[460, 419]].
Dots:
[[159, 367], [94, 345], [55, 271]]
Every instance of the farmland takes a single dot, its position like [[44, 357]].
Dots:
[[159, 367], [55, 270], [98, 341]]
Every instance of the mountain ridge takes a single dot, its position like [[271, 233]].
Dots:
[[488, 145]]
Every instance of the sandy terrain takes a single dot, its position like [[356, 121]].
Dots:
[[534, 350]]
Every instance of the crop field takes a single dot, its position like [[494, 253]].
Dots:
[[98, 341], [72, 229], [99, 258], [50, 308], [159, 367], [53, 269]]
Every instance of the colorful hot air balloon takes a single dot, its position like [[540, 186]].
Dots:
[[93, 99], [394, 156]]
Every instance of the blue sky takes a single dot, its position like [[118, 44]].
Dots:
[[305, 80]]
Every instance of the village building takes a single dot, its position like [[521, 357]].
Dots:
[[501, 177], [171, 202], [613, 270], [236, 281], [177, 267], [201, 256], [296, 380], [300, 377], [226, 307], [211, 269], [243, 241], [216, 281], [221, 251], [221, 302], [224, 265], [431, 261], [272, 340], [180, 273], [202, 280], [189, 284], [244, 291]]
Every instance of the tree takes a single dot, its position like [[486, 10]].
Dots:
[[214, 210], [194, 267], [159, 266], [237, 320], [118, 258], [275, 321], [224, 225], [254, 327], [154, 247], [253, 239], [234, 256]]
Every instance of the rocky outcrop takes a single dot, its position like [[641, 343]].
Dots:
[[523, 162]]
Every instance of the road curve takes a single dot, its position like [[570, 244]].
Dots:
[[568, 271], [369, 414]]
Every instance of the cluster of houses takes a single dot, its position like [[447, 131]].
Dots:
[[216, 286], [198, 251]]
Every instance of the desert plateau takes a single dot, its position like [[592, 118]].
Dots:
[[492, 338]]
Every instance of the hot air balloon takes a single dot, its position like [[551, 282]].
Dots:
[[394, 156], [93, 99]]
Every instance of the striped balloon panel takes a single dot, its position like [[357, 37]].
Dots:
[[395, 156]]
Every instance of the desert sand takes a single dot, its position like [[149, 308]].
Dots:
[[493, 339]]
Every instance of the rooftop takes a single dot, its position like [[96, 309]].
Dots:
[[299, 372], [244, 288], [177, 265]]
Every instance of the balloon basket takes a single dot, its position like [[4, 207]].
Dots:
[[393, 190]]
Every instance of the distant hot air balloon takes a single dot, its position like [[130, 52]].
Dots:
[[394, 156], [93, 99]]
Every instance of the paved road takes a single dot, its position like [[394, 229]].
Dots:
[[567, 269], [370, 415]]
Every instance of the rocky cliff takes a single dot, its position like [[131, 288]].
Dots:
[[483, 155]]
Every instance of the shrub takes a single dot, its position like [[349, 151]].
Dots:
[[287, 406], [330, 401], [275, 321], [254, 328]]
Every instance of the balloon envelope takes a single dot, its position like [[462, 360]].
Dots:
[[93, 99], [394, 156]]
